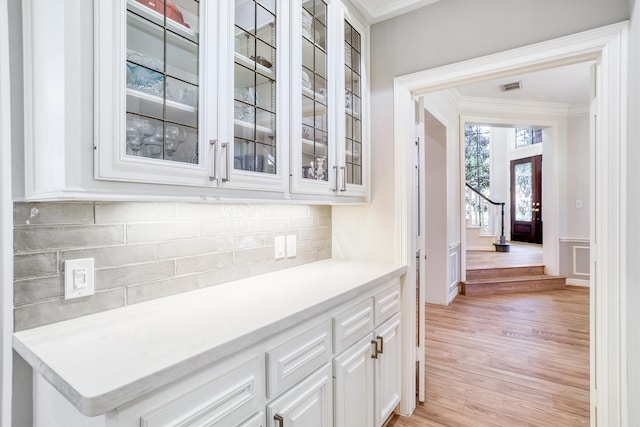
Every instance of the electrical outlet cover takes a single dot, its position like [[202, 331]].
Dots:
[[78, 278]]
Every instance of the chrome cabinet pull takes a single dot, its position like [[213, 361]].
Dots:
[[376, 351], [335, 187], [278, 418], [227, 161], [381, 343], [213, 159], [344, 178]]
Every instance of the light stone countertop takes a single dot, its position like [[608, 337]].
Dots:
[[101, 361]]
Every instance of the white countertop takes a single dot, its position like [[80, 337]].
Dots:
[[101, 361]]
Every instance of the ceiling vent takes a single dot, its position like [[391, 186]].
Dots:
[[511, 86]]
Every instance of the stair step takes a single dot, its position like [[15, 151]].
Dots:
[[490, 273], [505, 285]]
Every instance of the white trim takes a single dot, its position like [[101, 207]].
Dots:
[[608, 46], [482, 248], [6, 223], [575, 255], [574, 240], [578, 282]]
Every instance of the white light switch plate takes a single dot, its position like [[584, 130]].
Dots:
[[78, 278], [280, 248], [291, 246]]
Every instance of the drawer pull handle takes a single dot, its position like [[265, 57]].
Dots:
[[381, 343], [278, 418], [374, 355]]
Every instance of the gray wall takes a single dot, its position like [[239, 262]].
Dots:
[[144, 251], [633, 232]]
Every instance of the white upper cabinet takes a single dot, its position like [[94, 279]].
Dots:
[[190, 95], [329, 131], [219, 100]]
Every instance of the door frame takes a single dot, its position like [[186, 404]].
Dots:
[[609, 47], [536, 185]]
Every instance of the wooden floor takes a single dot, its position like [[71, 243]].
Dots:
[[507, 360], [520, 254]]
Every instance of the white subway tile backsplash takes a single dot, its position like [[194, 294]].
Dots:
[[118, 277], [43, 238], [111, 212], [37, 289], [32, 315], [52, 213], [199, 264], [161, 288], [144, 251], [35, 264], [161, 231], [113, 256]]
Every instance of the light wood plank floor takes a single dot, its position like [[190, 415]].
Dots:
[[521, 254], [507, 360]]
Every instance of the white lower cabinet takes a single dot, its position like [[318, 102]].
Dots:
[[340, 368], [308, 404], [354, 385], [367, 374], [387, 369]]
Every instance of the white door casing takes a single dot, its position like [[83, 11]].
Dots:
[[607, 46]]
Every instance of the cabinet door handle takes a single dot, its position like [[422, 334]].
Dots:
[[227, 161], [335, 187], [279, 419], [381, 343], [376, 351], [344, 178], [213, 159]]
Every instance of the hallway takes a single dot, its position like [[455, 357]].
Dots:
[[505, 360]]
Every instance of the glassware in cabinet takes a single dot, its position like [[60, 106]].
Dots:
[[254, 95], [162, 47]]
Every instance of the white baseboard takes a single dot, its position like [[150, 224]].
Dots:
[[453, 293], [481, 248], [577, 282]]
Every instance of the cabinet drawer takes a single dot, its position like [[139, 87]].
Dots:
[[225, 401], [352, 324], [387, 303], [288, 363]]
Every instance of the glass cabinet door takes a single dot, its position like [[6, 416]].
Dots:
[[254, 94], [162, 80], [353, 106], [315, 97]]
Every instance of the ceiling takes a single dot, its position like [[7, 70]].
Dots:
[[379, 10], [567, 85]]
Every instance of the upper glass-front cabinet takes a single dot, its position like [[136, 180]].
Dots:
[[328, 138], [188, 93], [162, 80], [259, 95]]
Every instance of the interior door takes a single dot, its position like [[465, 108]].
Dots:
[[526, 199], [421, 264]]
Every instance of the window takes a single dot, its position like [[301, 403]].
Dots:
[[477, 158], [528, 136]]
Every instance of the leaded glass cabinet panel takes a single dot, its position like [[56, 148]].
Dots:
[[254, 109], [315, 97], [162, 80]]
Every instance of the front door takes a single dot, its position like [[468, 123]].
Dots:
[[526, 199]]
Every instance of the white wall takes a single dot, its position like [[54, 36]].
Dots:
[[435, 193], [6, 223], [633, 232], [575, 223]]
